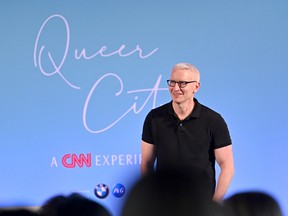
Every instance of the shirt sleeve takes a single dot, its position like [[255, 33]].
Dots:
[[147, 129], [221, 134]]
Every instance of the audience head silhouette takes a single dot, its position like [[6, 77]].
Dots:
[[170, 192], [17, 212], [72, 205], [253, 203]]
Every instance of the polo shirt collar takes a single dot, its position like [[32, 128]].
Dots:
[[195, 112]]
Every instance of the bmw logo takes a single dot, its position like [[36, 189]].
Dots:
[[118, 190], [101, 191]]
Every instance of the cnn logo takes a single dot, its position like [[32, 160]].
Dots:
[[73, 160]]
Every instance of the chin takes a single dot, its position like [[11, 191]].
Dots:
[[177, 100]]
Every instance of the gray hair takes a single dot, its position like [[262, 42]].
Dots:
[[187, 66]]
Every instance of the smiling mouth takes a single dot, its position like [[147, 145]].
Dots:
[[177, 94]]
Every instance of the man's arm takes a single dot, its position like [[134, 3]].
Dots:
[[224, 158], [148, 158]]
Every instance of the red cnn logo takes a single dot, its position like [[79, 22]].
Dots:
[[73, 160]]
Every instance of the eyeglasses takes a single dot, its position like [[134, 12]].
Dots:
[[181, 84]]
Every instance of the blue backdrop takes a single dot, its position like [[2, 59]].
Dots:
[[79, 77]]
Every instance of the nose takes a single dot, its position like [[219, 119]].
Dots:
[[176, 87]]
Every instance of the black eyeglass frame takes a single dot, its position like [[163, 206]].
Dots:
[[181, 84]]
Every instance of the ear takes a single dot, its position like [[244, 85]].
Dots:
[[197, 86]]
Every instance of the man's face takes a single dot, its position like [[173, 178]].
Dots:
[[178, 94]]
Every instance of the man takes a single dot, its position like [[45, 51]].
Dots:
[[184, 132]]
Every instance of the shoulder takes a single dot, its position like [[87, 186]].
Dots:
[[161, 110], [210, 113], [207, 110]]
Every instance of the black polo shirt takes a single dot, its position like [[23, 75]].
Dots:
[[190, 142]]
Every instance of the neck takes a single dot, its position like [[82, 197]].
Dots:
[[182, 110]]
